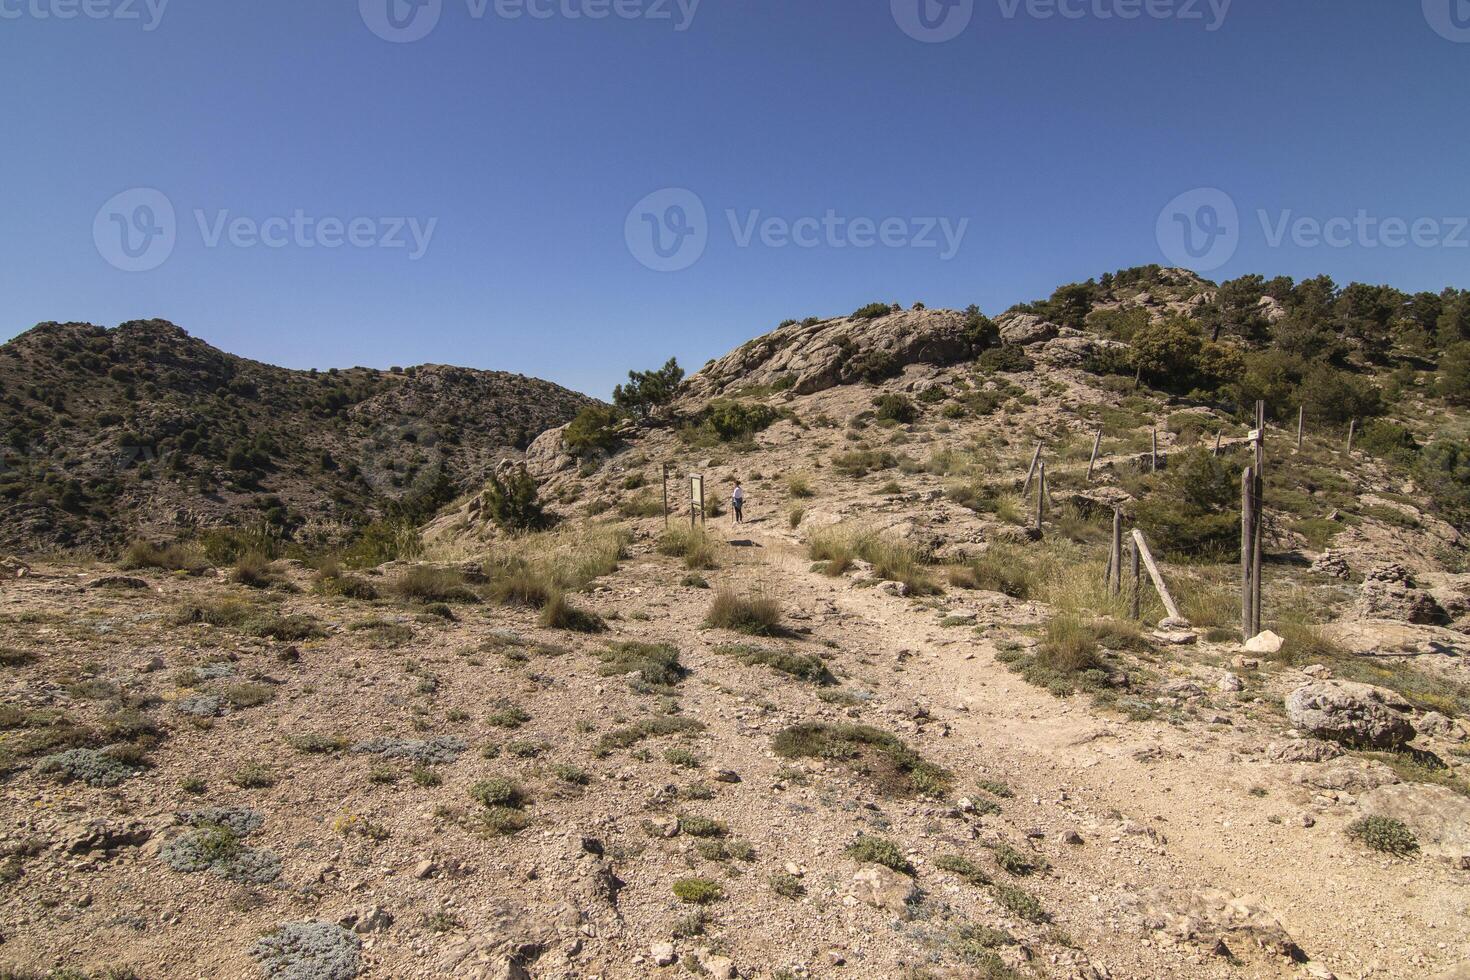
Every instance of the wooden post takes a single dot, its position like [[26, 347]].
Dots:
[[666, 496], [1158, 579], [1136, 608], [1116, 562], [1301, 418], [1092, 463], [1258, 511], [1352, 431], [1247, 553], [1218, 436], [1041, 496], [1154, 453], [1030, 473]]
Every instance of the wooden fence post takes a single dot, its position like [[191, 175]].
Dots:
[[1041, 496], [1116, 561], [1301, 418], [1247, 552], [666, 496], [1136, 607], [1154, 453], [1352, 431], [1158, 579], [1218, 436], [1096, 445], [1030, 473]]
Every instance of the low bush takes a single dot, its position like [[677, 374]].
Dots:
[[756, 615]]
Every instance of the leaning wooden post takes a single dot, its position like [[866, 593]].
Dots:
[[1158, 579], [1352, 431], [1154, 452], [1136, 608], [1096, 445], [1040, 496], [1116, 561], [1030, 473], [1247, 552], [1218, 436], [1301, 419]]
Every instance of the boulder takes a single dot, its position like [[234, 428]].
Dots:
[[1266, 642], [1379, 599], [1303, 750], [547, 455], [1211, 915], [884, 888], [1438, 816], [1021, 329], [1355, 714]]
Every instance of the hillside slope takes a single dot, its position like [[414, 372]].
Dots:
[[143, 429]]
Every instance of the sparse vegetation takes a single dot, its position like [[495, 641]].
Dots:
[[755, 615]]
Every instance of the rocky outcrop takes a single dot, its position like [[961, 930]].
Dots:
[[816, 355], [1438, 816], [1390, 592], [883, 888], [1355, 714], [1022, 329]]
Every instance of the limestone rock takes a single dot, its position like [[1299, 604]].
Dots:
[[885, 889], [1303, 750], [1437, 815], [1022, 329], [1266, 642], [1354, 714]]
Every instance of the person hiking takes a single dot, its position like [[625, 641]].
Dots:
[[737, 502]]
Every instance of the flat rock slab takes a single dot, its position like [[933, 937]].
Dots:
[[1438, 816]]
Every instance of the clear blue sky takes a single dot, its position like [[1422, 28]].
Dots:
[[1058, 139]]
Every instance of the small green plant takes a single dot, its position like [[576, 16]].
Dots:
[[560, 614], [964, 867], [1015, 862], [698, 891], [253, 775], [1021, 902], [787, 885], [879, 850], [507, 715], [682, 757], [696, 826], [499, 791], [1384, 834]]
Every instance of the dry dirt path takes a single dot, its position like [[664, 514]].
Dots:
[[1183, 817]]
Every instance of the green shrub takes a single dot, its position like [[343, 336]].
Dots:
[[879, 850], [499, 792], [593, 430], [806, 667], [895, 408], [655, 663], [560, 614], [698, 891], [648, 390], [872, 311], [429, 583], [730, 421], [884, 757], [511, 501], [1195, 507], [1005, 359], [959, 865], [1384, 834]]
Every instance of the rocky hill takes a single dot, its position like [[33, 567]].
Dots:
[[898, 724], [144, 430]]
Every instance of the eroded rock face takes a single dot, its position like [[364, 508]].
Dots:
[[547, 454], [1394, 600], [1354, 714], [1438, 816], [810, 357]]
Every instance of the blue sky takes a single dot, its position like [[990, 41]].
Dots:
[[518, 147]]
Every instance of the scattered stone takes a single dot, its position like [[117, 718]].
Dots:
[[662, 954], [1355, 714], [1176, 638], [1332, 564], [1264, 643], [104, 835], [425, 869], [1230, 684], [375, 919], [1072, 837], [726, 776], [1209, 916]]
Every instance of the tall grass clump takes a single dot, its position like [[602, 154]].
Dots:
[[692, 544], [755, 615]]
